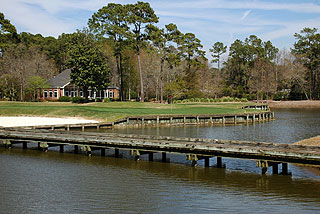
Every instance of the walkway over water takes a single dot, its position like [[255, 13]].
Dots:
[[266, 154]]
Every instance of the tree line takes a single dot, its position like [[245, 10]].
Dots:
[[122, 46]]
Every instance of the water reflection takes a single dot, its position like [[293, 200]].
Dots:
[[37, 182], [290, 126], [76, 183]]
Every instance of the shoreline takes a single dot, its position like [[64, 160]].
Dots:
[[14, 121], [295, 104]]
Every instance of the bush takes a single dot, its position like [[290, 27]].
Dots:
[[98, 100], [106, 100], [244, 100], [78, 100], [64, 99]]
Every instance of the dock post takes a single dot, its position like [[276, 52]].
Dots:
[[98, 127], [103, 152], [76, 149], [24, 145], [142, 121], [116, 153], [39, 147], [157, 119], [184, 120], [151, 156], [285, 169], [253, 118], [198, 120], [219, 162], [164, 157], [82, 128], [223, 120], [128, 121], [170, 119], [68, 127], [52, 128], [211, 121], [206, 161], [264, 170], [275, 169], [235, 119], [61, 148]]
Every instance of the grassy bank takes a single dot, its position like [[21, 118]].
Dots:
[[114, 110]]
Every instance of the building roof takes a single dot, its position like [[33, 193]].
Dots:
[[61, 79]]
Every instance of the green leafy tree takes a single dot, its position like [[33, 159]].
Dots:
[[162, 40], [8, 32], [88, 64], [243, 57], [34, 84], [190, 50], [307, 47], [217, 50], [140, 15], [112, 21]]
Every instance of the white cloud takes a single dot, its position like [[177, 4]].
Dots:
[[227, 4], [245, 15]]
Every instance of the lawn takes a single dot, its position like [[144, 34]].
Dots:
[[115, 110]]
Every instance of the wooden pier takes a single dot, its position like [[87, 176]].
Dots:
[[265, 154], [168, 120]]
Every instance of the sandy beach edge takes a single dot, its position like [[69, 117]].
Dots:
[[11, 121]]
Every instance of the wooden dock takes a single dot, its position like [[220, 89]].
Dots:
[[168, 120], [266, 154]]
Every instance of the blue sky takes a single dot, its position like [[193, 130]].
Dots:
[[209, 20]]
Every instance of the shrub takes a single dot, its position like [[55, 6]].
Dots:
[[99, 100], [78, 100], [64, 99], [244, 100], [106, 100]]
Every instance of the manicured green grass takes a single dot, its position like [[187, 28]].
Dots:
[[114, 110]]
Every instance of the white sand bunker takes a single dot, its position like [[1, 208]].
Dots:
[[39, 121]]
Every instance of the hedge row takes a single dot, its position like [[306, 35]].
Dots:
[[208, 100]]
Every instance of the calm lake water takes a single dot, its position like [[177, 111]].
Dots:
[[37, 182]]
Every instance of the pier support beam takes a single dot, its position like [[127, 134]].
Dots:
[[275, 169], [116, 153], [76, 149], [219, 162], [150, 156], [103, 152], [285, 170], [164, 157], [206, 161], [61, 148], [24, 145], [7, 144]]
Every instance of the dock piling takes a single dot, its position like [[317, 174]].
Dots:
[[164, 157], [116, 153]]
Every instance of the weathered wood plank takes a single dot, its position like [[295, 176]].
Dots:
[[210, 147]]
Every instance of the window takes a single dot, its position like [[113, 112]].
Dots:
[[72, 94], [110, 94], [102, 94], [55, 93], [81, 93], [50, 94], [66, 93], [45, 94]]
